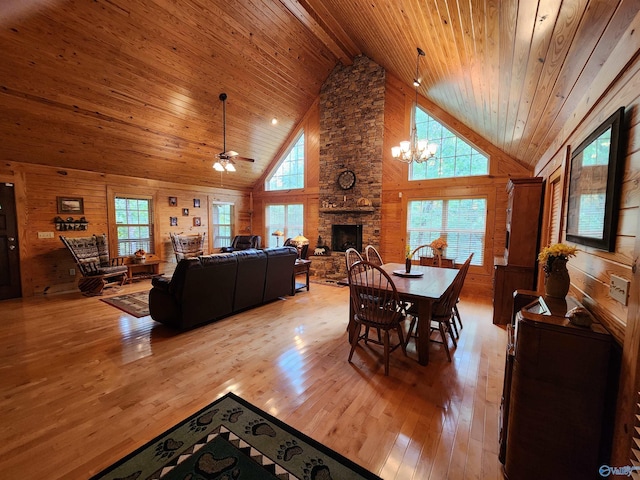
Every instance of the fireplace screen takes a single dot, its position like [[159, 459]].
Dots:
[[346, 236]]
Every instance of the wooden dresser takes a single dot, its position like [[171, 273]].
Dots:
[[559, 394], [517, 267]]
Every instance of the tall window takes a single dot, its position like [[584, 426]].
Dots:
[[222, 224], [134, 224], [289, 173], [288, 218], [454, 157], [462, 221]]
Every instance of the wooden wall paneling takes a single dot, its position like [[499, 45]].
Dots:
[[591, 270], [393, 233], [46, 263], [625, 422], [612, 63]]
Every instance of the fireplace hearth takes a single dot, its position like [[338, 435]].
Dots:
[[344, 237]]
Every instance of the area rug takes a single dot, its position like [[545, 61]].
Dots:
[[326, 281], [136, 304], [232, 440]]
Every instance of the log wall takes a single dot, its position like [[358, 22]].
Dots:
[[45, 263]]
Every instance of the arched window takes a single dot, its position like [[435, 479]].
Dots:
[[289, 173], [455, 157]]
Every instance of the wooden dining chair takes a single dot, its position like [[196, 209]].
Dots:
[[352, 256], [442, 311], [423, 255], [372, 255], [376, 304]]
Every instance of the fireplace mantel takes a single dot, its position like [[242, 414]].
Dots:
[[348, 210]]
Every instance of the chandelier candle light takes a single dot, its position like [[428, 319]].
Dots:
[[414, 150]]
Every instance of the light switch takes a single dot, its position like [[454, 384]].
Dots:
[[619, 289], [45, 234]]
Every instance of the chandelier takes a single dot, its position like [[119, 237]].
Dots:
[[414, 150]]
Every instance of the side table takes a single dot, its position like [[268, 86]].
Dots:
[[301, 267], [139, 271]]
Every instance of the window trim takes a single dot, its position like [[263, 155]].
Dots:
[[111, 217]]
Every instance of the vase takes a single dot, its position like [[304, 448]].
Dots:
[[438, 253], [407, 265], [556, 280]]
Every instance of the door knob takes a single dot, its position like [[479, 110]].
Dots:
[[12, 247]]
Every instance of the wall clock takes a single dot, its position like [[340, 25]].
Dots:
[[346, 179]]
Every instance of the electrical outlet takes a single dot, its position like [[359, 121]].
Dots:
[[619, 289], [45, 234], [72, 272]]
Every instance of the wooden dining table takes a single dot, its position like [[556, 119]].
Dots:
[[421, 290]]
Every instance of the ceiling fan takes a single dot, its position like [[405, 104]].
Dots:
[[224, 159]]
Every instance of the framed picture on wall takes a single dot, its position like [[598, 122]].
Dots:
[[173, 201], [70, 205], [196, 203], [597, 166], [185, 212], [173, 221], [197, 222]]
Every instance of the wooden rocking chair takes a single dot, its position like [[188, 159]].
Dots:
[[91, 254]]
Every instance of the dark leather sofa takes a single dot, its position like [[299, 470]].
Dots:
[[211, 287]]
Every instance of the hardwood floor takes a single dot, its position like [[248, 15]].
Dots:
[[82, 384]]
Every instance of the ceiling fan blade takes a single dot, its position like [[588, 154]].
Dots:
[[231, 153], [246, 159]]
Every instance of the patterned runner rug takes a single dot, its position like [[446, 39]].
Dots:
[[136, 304], [231, 439]]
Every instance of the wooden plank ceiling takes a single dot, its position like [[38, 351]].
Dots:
[[131, 86]]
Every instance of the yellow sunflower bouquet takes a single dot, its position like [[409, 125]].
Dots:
[[558, 250]]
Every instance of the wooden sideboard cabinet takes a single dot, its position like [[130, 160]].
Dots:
[[559, 395], [517, 268]]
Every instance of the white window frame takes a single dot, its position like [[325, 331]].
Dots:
[[433, 232], [286, 158], [435, 163], [216, 226], [127, 246], [289, 230]]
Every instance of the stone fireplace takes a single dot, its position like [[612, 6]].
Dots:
[[351, 135]]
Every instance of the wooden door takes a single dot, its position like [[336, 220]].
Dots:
[[9, 255]]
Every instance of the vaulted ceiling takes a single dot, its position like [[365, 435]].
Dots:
[[131, 86]]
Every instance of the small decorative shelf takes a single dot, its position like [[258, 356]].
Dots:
[[348, 210], [70, 224]]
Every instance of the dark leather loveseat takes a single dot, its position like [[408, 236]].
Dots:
[[211, 287]]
